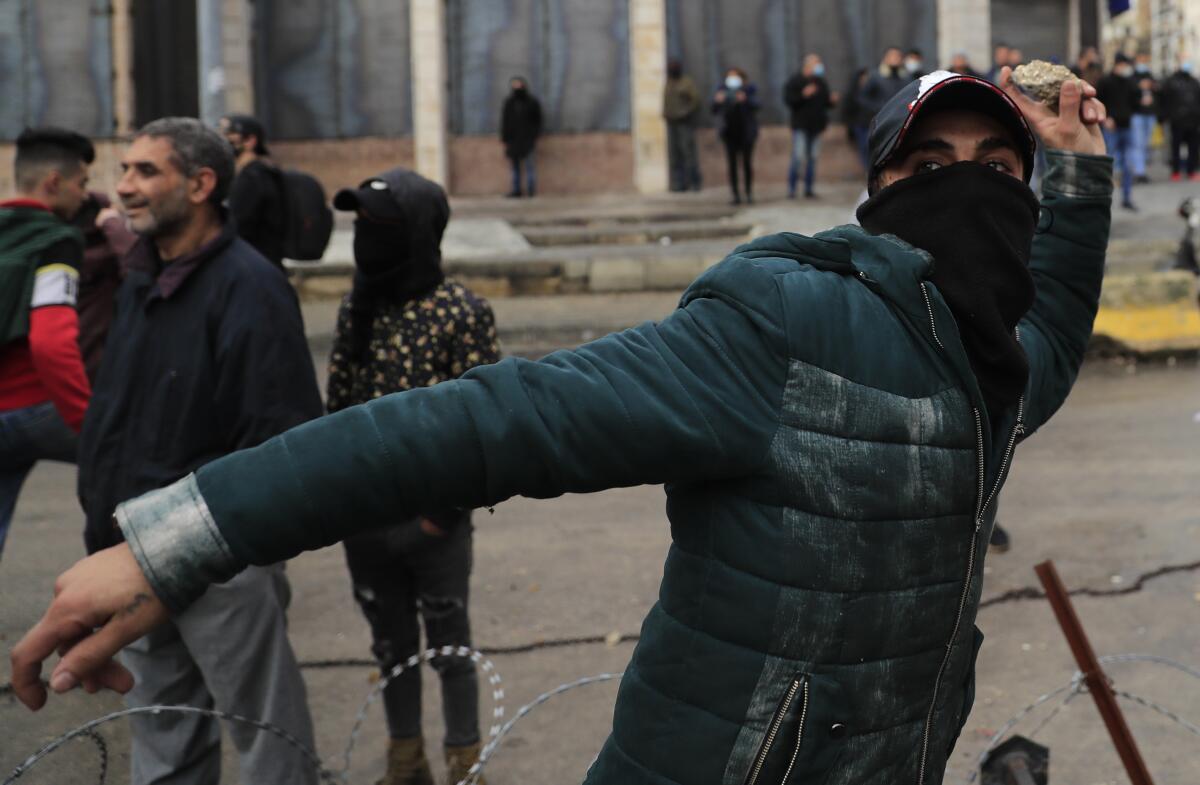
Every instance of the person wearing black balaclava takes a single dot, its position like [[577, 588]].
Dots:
[[405, 326], [520, 127], [831, 419]]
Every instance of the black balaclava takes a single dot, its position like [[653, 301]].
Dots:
[[396, 260], [978, 224]]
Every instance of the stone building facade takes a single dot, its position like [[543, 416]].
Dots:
[[348, 87]]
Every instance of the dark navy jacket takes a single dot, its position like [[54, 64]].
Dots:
[[206, 356]]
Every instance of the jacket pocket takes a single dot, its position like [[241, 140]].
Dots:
[[776, 758], [806, 735]]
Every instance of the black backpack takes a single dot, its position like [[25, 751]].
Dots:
[[308, 221]]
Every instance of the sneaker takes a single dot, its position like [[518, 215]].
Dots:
[[999, 541], [513, 195], [1176, 177], [1130, 206], [1142, 179]]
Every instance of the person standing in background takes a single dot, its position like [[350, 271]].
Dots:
[[405, 326], [808, 100], [1144, 115], [681, 103], [857, 117], [1179, 108], [999, 61], [207, 355], [520, 127], [961, 64], [736, 104], [44, 390], [914, 63], [256, 198], [1120, 95]]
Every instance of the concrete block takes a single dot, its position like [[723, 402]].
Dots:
[[617, 275], [673, 272], [1150, 312]]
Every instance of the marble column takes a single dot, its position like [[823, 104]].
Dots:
[[430, 89], [226, 63], [647, 74]]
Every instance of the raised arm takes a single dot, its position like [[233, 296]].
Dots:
[[692, 397]]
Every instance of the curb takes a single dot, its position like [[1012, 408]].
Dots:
[[1149, 313]]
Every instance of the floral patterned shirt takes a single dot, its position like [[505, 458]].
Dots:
[[415, 344]]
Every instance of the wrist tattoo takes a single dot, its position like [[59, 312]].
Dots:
[[139, 599]]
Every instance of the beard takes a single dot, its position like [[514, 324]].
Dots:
[[162, 216]]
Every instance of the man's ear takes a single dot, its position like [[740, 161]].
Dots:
[[201, 185], [52, 182]]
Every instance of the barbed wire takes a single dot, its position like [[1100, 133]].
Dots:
[[499, 730], [1076, 687]]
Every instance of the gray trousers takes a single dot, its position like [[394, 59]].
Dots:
[[228, 651]]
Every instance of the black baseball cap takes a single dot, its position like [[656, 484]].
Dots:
[[938, 91], [397, 196]]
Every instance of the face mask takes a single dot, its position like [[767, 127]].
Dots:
[[913, 64], [978, 224], [733, 82], [1125, 71], [819, 69], [1142, 68], [1186, 67]]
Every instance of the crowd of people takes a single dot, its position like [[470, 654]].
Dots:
[[145, 343], [1138, 101]]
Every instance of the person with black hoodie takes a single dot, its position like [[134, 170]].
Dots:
[[404, 326], [256, 198], [520, 127]]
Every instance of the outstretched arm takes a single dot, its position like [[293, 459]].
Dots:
[[693, 397], [1068, 256]]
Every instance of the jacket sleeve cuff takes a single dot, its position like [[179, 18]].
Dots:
[[176, 542], [1078, 175]]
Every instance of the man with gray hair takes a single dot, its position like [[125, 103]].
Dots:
[[207, 356]]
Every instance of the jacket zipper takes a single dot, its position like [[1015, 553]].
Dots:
[[929, 309], [773, 731], [981, 504], [799, 736]]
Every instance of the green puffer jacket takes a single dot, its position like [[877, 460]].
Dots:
[[830, 476]]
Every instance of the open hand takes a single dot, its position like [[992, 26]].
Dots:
[[100, 605], [1076, 125]]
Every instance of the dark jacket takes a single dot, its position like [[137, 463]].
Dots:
[[256, 202], [1147, 94], [854, 114], [520, 124], [738, 120], [808, 113], [1179, 100], [681, 100], [880, 87], [207, 356], [100, 275], [831, 474], [1120, 96]]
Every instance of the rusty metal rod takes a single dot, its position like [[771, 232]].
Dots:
[[1093, 674]]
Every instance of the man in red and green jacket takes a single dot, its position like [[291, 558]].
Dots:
[[44, 389]]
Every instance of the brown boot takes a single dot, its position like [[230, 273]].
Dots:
[[459, 761], [407, 764]]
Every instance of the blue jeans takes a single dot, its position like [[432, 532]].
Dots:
[[1120, 147], [1143, 129], [27, 436], [530, 175], [805, 149]]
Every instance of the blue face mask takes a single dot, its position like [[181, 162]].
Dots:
[[1186, 67], [819, 69], [733, 82]]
